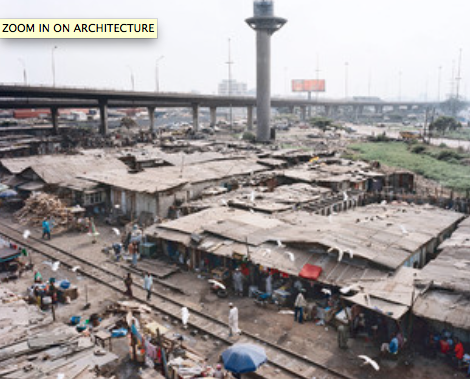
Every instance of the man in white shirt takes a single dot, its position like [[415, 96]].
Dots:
[[299, 305], [233, 320], [148, 282]]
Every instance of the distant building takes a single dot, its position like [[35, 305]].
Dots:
[[237, 88]]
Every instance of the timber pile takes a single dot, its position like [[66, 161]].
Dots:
[[42, 205]]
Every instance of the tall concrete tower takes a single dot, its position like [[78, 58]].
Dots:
[[265, 24]]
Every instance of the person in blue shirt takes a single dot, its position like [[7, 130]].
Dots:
[[391, 347], [46, 229]]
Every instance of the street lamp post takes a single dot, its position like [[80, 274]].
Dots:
[[229, 64], [25, 77], [53, 65], [157, 77]]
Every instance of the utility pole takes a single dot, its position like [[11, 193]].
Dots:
[[25, 78], [229, 63]]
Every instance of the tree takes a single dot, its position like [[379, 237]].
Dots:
[[320, 122], [445, 123]]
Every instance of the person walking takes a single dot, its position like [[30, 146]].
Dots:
[[233, 320], [128, 283], [46, 229], [299, 305], [148, 282], [238, 282]]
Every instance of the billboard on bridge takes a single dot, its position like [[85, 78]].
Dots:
[[308, 85]]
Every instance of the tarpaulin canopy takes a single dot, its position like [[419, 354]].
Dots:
[[310, 272], [8, 254]]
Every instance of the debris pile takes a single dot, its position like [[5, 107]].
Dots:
[[42, 205]]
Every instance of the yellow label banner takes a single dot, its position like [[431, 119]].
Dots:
[[78, 28]]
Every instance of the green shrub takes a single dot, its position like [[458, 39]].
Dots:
[[447, 155], [418, 149], [249, 136]]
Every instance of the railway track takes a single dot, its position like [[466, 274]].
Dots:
[[285, 360]]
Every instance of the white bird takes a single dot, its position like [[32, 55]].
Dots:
[[116, 230], [251, 210], [217, 284], [252, 196], [403, 229], [340, 255], [224, 202], [26, 234], [280, 244], [291, 256], [326, 291], [350, 252], [184, 315], [369, 361], [74, 269], [54, 266], [383, 202], [267, 252], [345, 196]]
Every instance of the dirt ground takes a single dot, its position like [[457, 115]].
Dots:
[[317, 342]]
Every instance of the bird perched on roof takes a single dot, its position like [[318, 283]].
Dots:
[[74, 269], [224, 202], [326, 291], [369, 361], [26, 234], [279, 243], [291, 256], [116, 231], [403, 229], [350, 252]]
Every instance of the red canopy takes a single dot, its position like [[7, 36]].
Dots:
[[310, 272]]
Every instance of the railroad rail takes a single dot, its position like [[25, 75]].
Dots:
[[286, 360]]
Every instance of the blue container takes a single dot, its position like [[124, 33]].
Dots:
[[122, 332], [74, 320], [65, 284]]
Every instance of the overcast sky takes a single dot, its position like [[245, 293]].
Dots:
[[378, 38]]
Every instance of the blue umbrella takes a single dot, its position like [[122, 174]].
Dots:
[[8, 193], [243, 358]]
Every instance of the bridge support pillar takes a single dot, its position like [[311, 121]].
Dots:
[[213, 112], [379, 109], [55, 120], [195, 117], [327, 110], [291, 109], [249, 118], [103, 117], [151, 111], [303, 113]]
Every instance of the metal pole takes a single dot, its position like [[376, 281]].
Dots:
[[53, 66], [25, 77], [346, 64]]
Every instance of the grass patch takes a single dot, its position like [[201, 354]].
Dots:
[[451, 173]]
